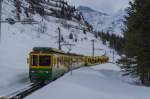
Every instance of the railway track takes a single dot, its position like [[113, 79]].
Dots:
[[22, 93]]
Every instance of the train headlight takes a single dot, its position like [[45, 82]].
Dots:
[[47, 72], [32, 71]]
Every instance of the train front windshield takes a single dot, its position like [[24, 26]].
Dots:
[[40, 60], [44, 60]]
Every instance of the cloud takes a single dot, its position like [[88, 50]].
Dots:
[[109, 6]]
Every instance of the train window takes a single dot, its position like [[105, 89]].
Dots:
[[34, 60], [44, 60]]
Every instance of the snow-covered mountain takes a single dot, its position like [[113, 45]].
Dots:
[[103, 21], [21, 9]]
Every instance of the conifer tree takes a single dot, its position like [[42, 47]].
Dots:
[[137, 38], [18, 9]]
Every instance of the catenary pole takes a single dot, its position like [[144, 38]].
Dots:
[[59, 39], [0, 19], [93, 47]]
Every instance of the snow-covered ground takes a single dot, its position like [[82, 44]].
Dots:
[[103, 81], [19, 39], [99, 82]]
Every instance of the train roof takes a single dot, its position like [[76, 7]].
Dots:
[[74, 54], [47, 50], [52, 50]]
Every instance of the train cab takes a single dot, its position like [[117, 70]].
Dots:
[[40, 66]]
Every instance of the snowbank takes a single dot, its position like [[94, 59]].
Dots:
[[18, 40], [99, 82]]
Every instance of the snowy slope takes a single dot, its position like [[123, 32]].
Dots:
[[19, 39], [103, 21], [99, 82], [25, 9]]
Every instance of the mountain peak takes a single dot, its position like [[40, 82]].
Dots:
[[103, 21], [88, 9]]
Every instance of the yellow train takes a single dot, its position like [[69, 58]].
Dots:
[[47, 64]]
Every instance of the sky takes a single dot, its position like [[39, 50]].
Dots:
[[107, 6]]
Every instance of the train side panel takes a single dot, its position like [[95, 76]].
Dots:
[[60, 66]]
